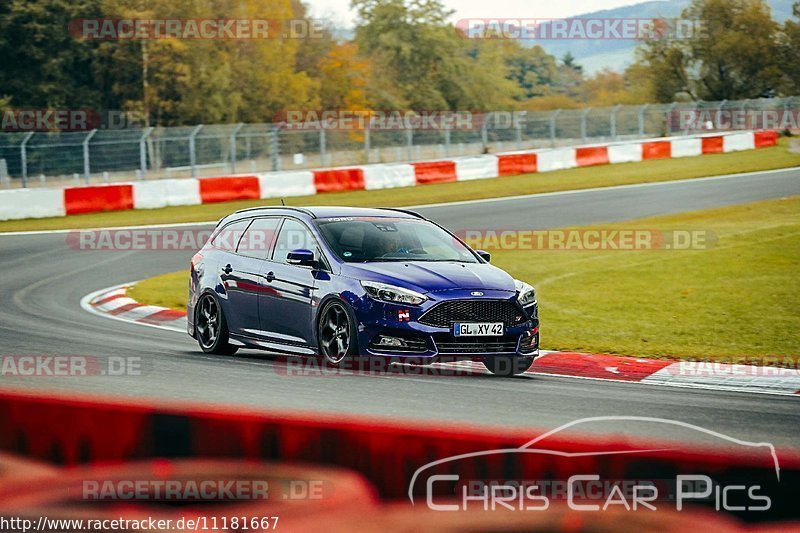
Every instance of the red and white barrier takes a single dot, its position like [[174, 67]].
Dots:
[[738, 141], [279, 184], [31, 203], [556, 159], [435, 172], [688, 147], [388, 176], [477, 168], [624, 153], [39, 203]]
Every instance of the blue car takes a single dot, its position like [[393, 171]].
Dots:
[[343, 283]]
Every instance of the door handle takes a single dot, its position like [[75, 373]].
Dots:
[[270, 277], [227, 269]]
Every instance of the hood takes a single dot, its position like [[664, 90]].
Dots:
[[426, 276]]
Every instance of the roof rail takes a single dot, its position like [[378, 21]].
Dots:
[[406, 211], [290, 208]]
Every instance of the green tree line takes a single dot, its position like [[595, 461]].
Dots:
[[402, 54]]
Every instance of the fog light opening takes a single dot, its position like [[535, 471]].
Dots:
[[390, 342]]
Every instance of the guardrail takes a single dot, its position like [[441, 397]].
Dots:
[[36, 159]]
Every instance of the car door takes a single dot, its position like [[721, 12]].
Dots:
[[230, 268], [245, 283], [286, 307]]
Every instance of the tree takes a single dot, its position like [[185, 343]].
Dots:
[[420, 61], [533, 70], [42, 64], [737, 56], [790, 47]]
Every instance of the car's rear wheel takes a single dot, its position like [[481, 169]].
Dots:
[[501, 365], [212, 328], [336, 333]]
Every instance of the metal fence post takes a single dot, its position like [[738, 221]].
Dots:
[[553, 126], [193, 150], [274, 147], [447, 141], [24, 158], [143, 152], [86, 165], [367, 141], [744, 113], [614, 121], [518, 127], [232, 146], [410, 143], [323, 149], [668, 117], [641, 119], [584, 114], [718, 114], [485, 132]]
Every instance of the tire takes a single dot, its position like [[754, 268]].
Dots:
[[337, 335], [211, 327], [505, 366]]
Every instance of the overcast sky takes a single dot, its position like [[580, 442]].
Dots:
[[339, 10]]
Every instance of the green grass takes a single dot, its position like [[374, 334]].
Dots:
[[736, 300], [168, 290], [601, 176]]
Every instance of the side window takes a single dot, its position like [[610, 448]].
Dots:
[[257, 240], [228, 237], [293, 236]]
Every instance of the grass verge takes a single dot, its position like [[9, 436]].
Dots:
[[770, 158], [736, 299]]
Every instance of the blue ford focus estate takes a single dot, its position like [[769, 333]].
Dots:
[[343, 283]]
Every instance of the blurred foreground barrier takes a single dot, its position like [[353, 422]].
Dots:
[[214, 494], [403, 518], [38, 203], [16, 472], [402, 460]]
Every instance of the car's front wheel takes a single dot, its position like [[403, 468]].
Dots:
[[336, 333], [211, 327], [501, 365]]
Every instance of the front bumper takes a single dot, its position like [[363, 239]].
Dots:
[[396, 321]]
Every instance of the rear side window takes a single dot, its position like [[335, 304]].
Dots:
[[228, 237], [293, 236], [257, 240]]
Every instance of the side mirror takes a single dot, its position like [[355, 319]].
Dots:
[[301, 257], [486, 256]]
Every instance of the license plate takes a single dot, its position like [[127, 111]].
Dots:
[[478, 329]]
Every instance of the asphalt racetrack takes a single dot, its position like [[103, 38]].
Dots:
[[43, 281]]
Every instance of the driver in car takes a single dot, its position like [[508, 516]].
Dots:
[[390, 244]]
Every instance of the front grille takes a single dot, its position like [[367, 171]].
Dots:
[[445, 314], [477, 345]]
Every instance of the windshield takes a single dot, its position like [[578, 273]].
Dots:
[[392, 239]]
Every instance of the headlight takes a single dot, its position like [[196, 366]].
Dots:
[[526, 294], [390, 293]]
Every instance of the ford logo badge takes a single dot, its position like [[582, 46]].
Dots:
[[476, 293]]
